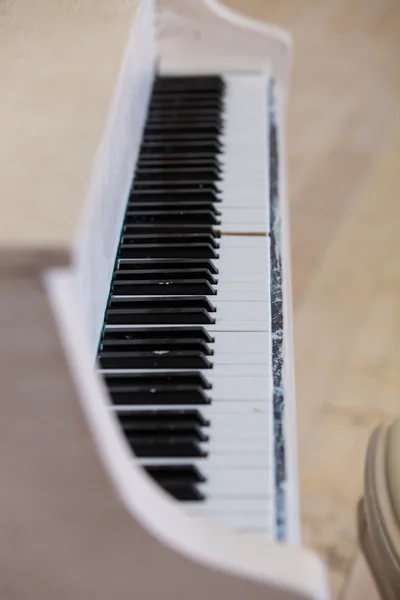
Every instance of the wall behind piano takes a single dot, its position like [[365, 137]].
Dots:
[[344, 149]]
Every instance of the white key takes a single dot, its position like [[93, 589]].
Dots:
[[239, 483], [231, 447], [242, 260], [209, 411], [239, 278], [221, 461], [241, 389], [227, 343], [253, 228], [243, 215], [245, 160], [241, 348], [244, 220], [241, 292], [236, 311], [233, 241]]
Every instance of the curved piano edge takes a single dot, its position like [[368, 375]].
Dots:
[[212, 559], [200, 35]]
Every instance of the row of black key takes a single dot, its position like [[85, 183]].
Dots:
[[166, 277]]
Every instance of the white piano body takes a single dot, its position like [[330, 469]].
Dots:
[[79, 517]]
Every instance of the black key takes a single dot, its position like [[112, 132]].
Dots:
[[184, 493], [168, 302], [167, 263], [164, 287], [165, 84], [192, 416], [170, 162], [174, 187], [172, 380], [180, 193], [189, 82], [182, 157], [153, 360], [172, 206], [181, 144], [164, 90], [182, 388], [199, 101], [178, 310], [171, 203], [174, 216], [172, 448], [184, 121], [167, 334], [143, 427], [177, 174], [180, 161], [180, 136], [166, 110], [175, 131], [182, 129], [193, 82], [164, 434], [179, 283], [206, 108], [170, 238], [150, 228], [161, 427], [204, 99], [178, 113], [173, 474], [189, 250], [170, 274], [142, 419], [179, 102], [184, 114], [184, 395], [196, 81], [155, 345], [192, 129], [178, 147], [159, 316]]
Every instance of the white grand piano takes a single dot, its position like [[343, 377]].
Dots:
[[148, 429]]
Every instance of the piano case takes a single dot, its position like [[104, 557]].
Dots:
[[148, 430]]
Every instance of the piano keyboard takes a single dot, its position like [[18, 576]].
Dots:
[[186, 350]]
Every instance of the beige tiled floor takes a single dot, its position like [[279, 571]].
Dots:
[[344, 159]]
